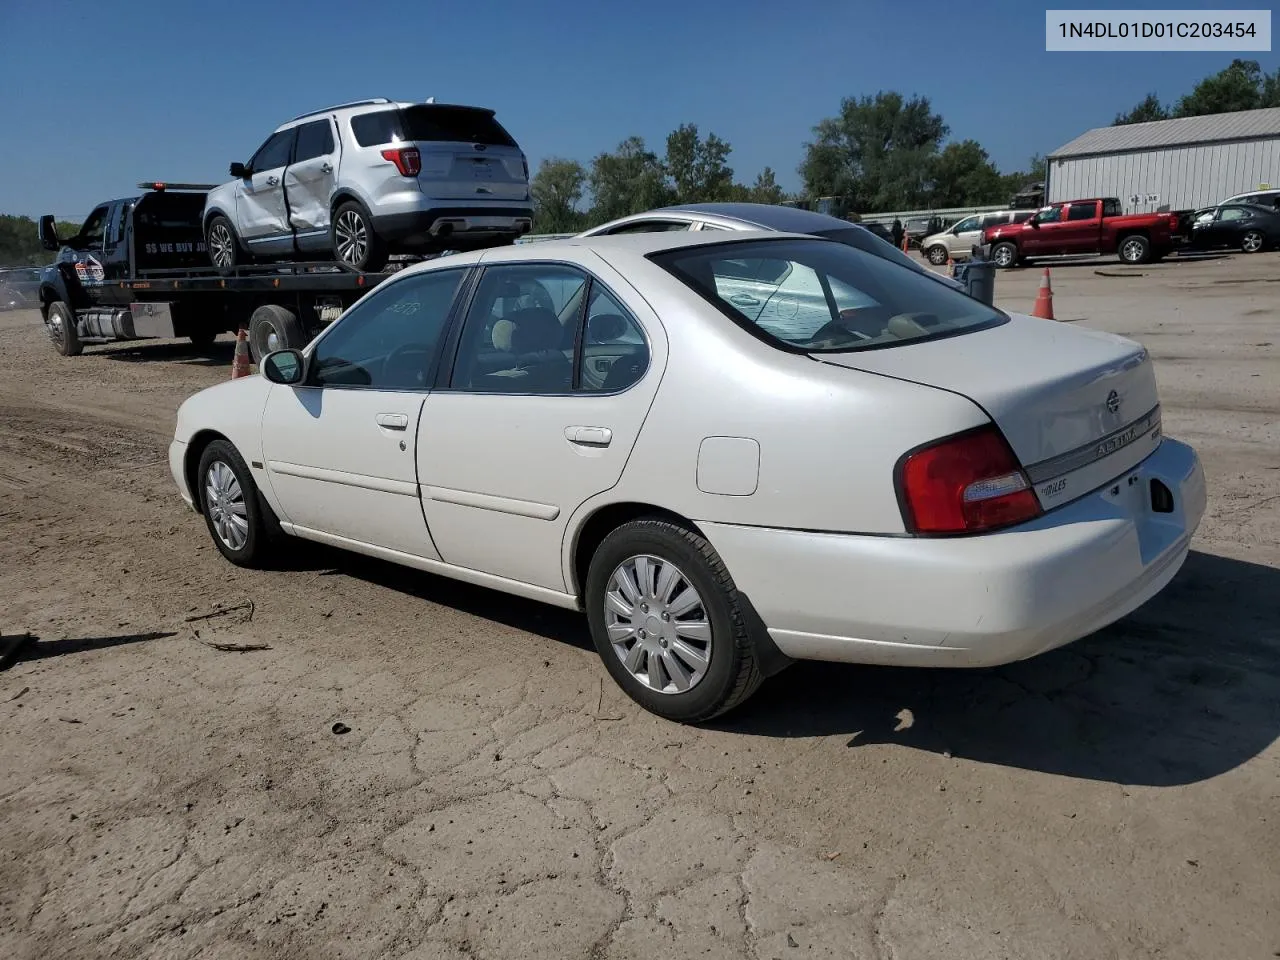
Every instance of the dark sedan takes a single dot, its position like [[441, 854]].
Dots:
[[1242, 226]]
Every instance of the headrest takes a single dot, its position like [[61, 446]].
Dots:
[[501, 335], [535, 329], [605, 328]]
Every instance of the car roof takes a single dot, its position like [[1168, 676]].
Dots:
[[771, 216], [643, 244]]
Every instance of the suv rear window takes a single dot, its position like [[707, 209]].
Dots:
[[429, 122], [815, 296]]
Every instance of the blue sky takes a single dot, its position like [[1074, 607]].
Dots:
[[100, 95]]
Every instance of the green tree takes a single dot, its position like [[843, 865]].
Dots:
[[1240, 86], [697, 167], [629, 180], [1149, 109], [557, 190], [963, 174], [765, 189], [878, 153], [20, 241]]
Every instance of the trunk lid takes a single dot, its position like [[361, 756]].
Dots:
[[466, 154], [1079, 407]]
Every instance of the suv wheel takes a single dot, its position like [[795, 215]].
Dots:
[[1135, 249], [224, 248], [355, 244], [1004, 255], [937, 255]]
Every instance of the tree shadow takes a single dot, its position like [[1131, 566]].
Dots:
[[29, 647], [217, 354], [1184, 689]]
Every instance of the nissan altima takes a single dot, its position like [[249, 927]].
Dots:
[[730, 450]]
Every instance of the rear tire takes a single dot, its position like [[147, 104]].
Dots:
[[355, 244], [714, 627], [243, 528], [1134, 249], [223, 246], [1005, 255], [1252, 242], [273, 327], [62, 330]]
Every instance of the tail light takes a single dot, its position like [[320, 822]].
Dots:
[[407, 160], [967, 483]]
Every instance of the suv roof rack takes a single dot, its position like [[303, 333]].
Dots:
[[161, 185], [341, 106]]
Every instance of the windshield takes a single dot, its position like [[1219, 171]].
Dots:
[[814, 296]]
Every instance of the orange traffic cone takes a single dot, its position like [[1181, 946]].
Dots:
[[906, 242], [1044, 299], [240, 365]]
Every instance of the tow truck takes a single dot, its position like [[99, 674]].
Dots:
[[138, 269]]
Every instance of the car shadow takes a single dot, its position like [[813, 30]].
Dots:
[[1184, 689], [218, 354]]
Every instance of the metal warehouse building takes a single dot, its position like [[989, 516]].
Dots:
[[1170, 165]]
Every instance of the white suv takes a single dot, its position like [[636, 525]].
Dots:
[[360, 181]]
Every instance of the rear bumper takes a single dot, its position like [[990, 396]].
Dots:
[[971, 601], [424, 226]]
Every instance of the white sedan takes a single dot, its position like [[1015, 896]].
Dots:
[[729, 450]]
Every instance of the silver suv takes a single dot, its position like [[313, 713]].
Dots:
[[360, 181]]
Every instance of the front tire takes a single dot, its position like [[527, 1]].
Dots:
[[224, 248], [62, 330], [355, 244], [1004, 255], [238, 519], [937, 255], [667, 621], [1252, 242]]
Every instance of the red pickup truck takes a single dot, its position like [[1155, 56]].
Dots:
[[1083, 227]]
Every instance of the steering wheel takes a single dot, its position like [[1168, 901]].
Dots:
[[417, 373]]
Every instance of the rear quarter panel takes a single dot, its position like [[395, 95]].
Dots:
[[828, 437]]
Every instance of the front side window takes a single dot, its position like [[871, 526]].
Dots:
[[274, 153], [816, 297], [315, 139], [547, 329], [1049, 215], [391, 339], [94, 228]]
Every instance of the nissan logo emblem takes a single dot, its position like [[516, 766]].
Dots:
[[1113, 401]]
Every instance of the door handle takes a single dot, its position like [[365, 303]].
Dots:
[[272, 180], [392, 421], [326, 167], [744, 300], [589, 436]]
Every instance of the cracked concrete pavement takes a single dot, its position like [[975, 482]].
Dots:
[[496, 796]]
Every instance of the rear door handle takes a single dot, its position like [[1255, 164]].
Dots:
[[326, 167], [590, 436], [392, 421]]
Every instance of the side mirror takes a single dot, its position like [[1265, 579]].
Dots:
[[1034, 223], [284, 366], [48, 233], [239, 171]]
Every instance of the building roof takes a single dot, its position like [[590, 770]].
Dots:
[[1214, 127]]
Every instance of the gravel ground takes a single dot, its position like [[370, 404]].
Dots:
[[496, 796]]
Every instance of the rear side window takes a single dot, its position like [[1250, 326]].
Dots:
[[430, 122], [813, 296], [1111, 208], [315, 139], [1082, 211]]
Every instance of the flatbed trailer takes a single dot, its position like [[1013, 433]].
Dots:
[[138, 269]]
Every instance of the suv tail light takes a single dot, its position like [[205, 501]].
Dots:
[[967, 483], [407, 160]]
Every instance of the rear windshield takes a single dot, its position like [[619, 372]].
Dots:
[[428, 122], [866, 240], [170, 211], [815, 296]]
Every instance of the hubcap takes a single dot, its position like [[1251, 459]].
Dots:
[[266, 338], [353, 237], [1133, 251], [57, 332], [657, 624], [937, 256], [221, 245], [224, 500], [1253, 242]]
